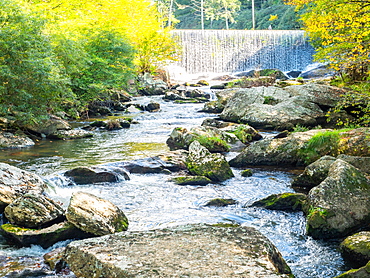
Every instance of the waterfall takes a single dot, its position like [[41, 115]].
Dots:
[[241, 50]]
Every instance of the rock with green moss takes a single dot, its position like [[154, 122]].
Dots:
[[363, 272], [247, 173], [356, 248], [283, 201], [191, 180], [184, 251], [314, 173], [95, 215], [33, 211], [220, 202], [45, 237], [212, 138], [201, 162], [340, 204], [15, 182]]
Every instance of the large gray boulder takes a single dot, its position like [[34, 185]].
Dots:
[[95, 215], [201, 162], [280, 151], [340, 204], [10, 140], [185, 251], [33, 211], [15, 182], [281, 108], [49, 126]]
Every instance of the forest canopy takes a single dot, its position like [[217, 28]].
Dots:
[[59, 55]]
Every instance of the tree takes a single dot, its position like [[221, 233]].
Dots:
[[225, 9], [339, 29], [31, 80]]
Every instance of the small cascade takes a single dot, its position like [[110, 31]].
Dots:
[[240, 50]]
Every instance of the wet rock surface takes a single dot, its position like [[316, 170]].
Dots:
[[356, 248], [185, 251], [15, 182], [95, 215], [89, 175], [11, 140]]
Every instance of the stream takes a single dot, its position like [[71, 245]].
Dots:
[[151, 201]]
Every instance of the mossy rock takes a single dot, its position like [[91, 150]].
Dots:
[[44, 237], [363, 272], [219, 202], [247, 173], [284, 201], [191, 180], [356, 248]]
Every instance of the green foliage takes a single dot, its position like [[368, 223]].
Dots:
[[31, 80], [212, 143], [300, 128], [322, 143], [355, 103]]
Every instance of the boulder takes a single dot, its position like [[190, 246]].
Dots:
[[201, 162], [246, 173], [15, 182], [10, 140], [321, 71], [191, 180], [45, 237], [33, 211], [70, 134], [222, 98], [212, 138], [314, 173], [356, 248], [281, 151], [49, 126], [362, 272], [90, 175], [54, 259], [299, 104], [95, 215], [151, 86], [360, 162], [185, 251], [282, 201], [152, 107], [340, 204]]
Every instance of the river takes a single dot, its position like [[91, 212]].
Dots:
[[151, 201]]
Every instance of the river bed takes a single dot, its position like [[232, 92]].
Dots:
[[151, 201]]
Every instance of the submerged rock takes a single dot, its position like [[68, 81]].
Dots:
[[9, 140], [356, 248], [23, 267], [45, 237], [201, 162], [90, 175], [70, 134], [340, 204], [33, 211], [220, 202], [15, 182], [191, 180], [283, 201], [95, 215], [206, 251]]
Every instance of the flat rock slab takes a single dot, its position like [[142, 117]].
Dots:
[[185, 251]]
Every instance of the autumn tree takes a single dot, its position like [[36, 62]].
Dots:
[[340, 31], [222, 9]]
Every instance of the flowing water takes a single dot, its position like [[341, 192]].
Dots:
[[241, 50], [151, 201]]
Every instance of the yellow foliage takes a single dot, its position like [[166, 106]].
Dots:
[[137, 20], [273, 17], [340, 31]]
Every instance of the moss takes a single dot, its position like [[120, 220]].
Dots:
[[247, 173], [191, 180], [226, 225], [284, 201], [10, 228], [213, 143], [219, 202]]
